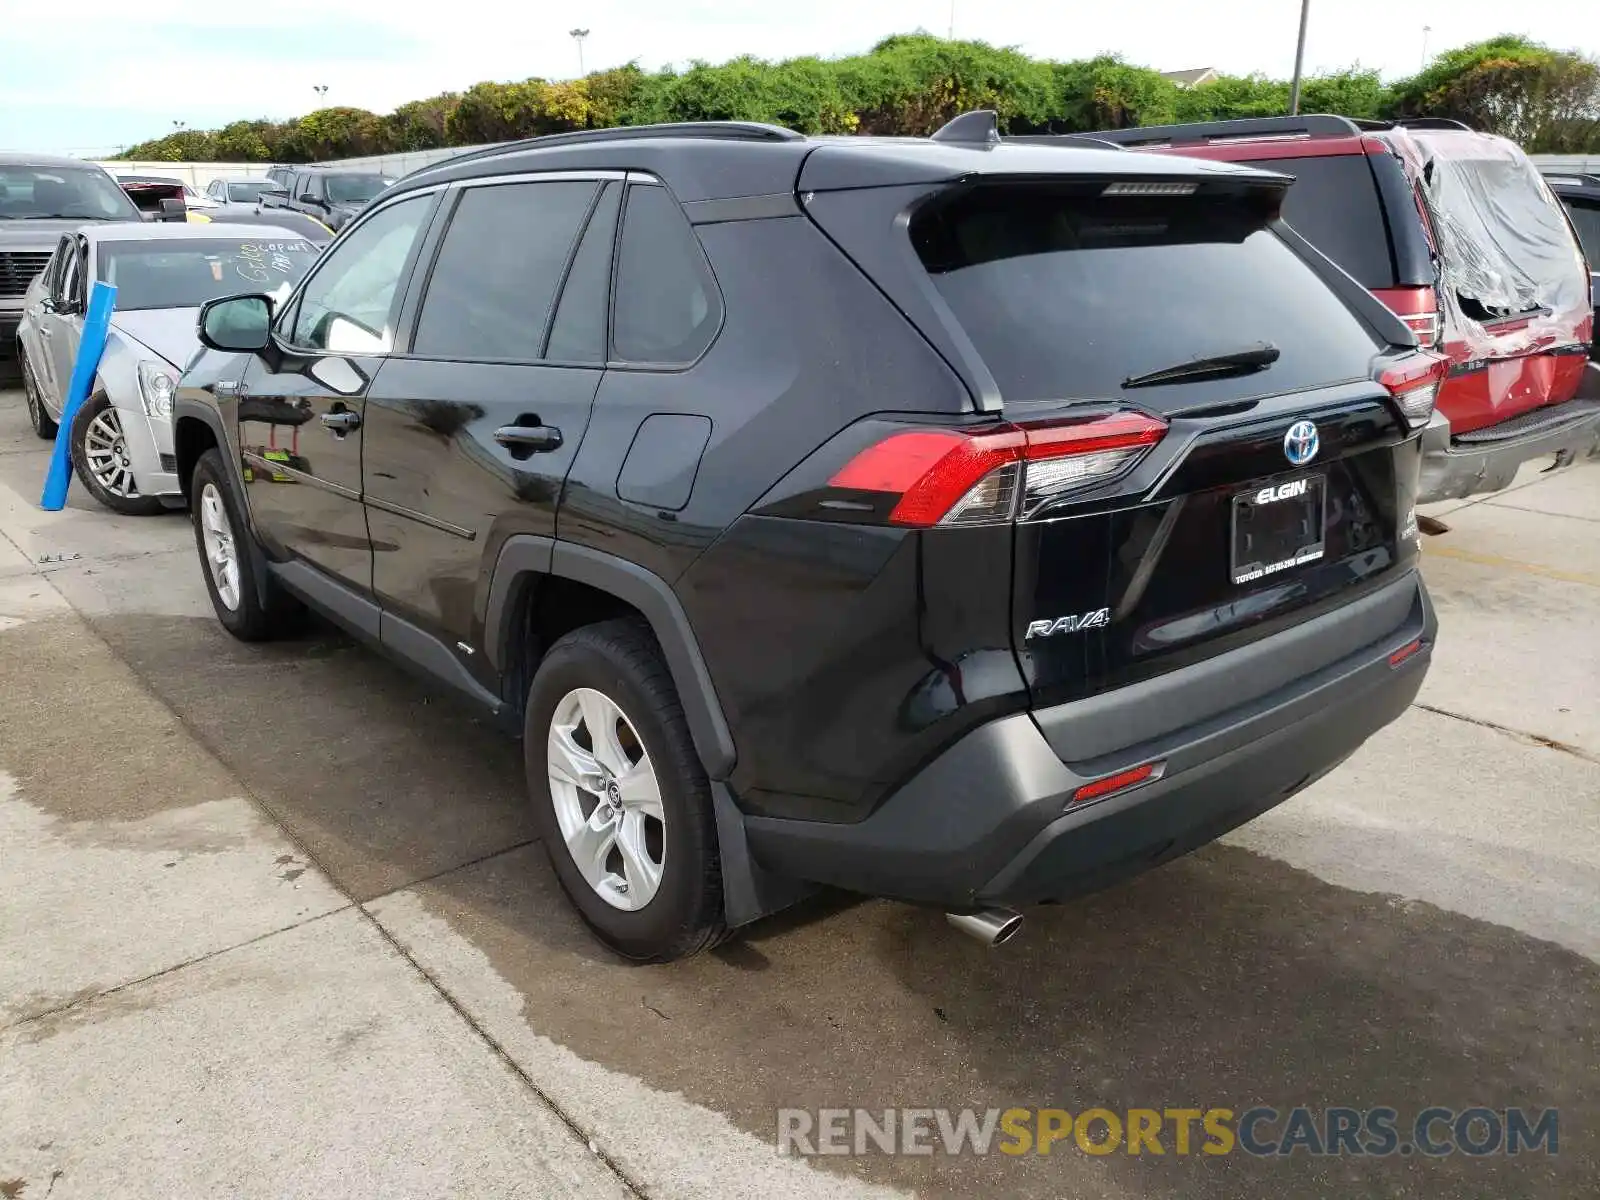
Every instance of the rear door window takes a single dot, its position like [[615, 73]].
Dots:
[[1067, 294], [578, 333], [498, 270], [1334, 205]]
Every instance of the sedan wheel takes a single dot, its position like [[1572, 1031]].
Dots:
[[607, 799], [216, 535], [105, 450]]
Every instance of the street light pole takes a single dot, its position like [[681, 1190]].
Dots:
[[952, 20], [321, 89], [1426, 30], [578, 35], [1299, 59]]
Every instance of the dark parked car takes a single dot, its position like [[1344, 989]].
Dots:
[[329, 195], [1453, 231], [951, 520], [1580, 195], [42, 197]]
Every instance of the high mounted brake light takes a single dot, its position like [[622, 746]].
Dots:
[[1414, 383], [952, 477]]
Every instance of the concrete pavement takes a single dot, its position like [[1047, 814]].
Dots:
[[357, 976]]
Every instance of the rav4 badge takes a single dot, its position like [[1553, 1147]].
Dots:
[[1098, 619]]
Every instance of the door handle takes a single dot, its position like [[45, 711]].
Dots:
[[531, 439], [342, 421]]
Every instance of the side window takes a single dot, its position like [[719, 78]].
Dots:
[[302, 184], [667, 308], [498, 269], [313, 185], [578, 333], [56, 267], [1586, 219], [348, 305], [70, 292]]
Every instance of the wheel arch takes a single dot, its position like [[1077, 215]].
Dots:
[[526, 559]]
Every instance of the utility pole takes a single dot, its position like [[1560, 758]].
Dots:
[[1299, 60], [578, 35]]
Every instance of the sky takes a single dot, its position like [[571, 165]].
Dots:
[[143, 67]]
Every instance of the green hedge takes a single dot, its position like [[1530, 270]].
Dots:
[[911, 84]]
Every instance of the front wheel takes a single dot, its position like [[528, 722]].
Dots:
[[100, 457], [621, 799], [250, 612]]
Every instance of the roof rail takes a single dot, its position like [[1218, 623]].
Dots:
[[1200, 132], [1095, 140], [1431, 123], [978, 127], [739, 131]]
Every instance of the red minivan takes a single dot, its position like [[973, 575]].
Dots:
[[1457, 233]]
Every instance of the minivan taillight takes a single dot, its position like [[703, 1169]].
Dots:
[[952, 477], [1418, 307], [1414, 382]]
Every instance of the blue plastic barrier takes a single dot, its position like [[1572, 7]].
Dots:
[[96, 324]]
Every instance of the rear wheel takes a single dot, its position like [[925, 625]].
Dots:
[[37, 416], [221, 536], [100, 457], [622, 802]]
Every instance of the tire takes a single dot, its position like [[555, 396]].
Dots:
[[222, 537], [37, 416], [619, 662], [99, 456]]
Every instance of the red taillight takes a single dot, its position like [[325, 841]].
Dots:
[[1414, 383], [1418, 307], [1121, 781], [951, 477]]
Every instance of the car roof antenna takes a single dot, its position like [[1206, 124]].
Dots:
[[978, 127]]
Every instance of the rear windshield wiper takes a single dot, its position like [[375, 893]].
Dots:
[[1214, 366]]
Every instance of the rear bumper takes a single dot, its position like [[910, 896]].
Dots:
[[1486, 460], [990, 820]]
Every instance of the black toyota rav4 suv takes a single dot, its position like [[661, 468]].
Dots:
[[966, 522]]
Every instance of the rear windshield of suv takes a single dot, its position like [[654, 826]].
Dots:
[[1334, 205], [1067, 295]]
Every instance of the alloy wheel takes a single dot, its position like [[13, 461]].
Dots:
[[221, 555], [105, 450], [607, 798]]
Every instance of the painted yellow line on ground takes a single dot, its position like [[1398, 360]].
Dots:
[[1510, 564]]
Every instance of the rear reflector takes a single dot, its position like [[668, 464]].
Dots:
[[1405, 652], [1119, 782], [1414, 382], [952, 477]]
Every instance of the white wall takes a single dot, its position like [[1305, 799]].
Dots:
[[196, 174]]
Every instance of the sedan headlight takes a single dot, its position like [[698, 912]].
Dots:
[[156, 386]]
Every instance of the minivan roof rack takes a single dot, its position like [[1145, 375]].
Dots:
[[1431, 123], [741, 131], [1199, 132]]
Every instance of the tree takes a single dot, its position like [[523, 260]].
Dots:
[[1544, 99]]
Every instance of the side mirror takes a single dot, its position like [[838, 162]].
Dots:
[[308, 198], [273, 193], [174, 209], [238, 324]]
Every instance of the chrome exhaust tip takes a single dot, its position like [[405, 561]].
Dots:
[[991, 926]]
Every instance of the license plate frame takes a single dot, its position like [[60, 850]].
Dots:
[[1277, 526]]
